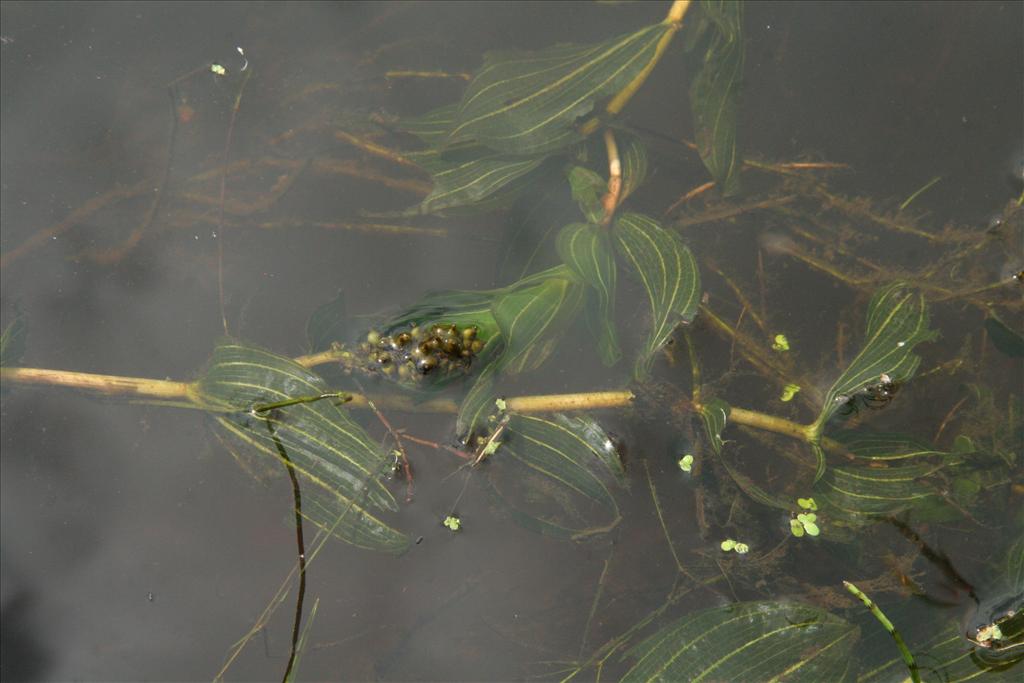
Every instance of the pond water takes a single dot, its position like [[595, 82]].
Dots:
[[135, 547]]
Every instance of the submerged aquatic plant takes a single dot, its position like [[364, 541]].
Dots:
[[543, 118]]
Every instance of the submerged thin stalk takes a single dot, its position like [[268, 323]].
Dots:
[[908, 657], [295, 400]]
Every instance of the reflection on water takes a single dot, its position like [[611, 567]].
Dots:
[[134, 547]]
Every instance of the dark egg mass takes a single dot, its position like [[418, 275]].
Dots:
[[419, 351]]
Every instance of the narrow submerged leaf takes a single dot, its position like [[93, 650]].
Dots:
[[432, 128], [13, 341], [587, 189], [715, 414], [634, 165], [328, 324], [870, 448], [472, 176], [751, 641], [897, 321], [532, 320], [338, 464], [586, 250], [669, 275], [477, 405], [554, 475], [694, 30], [531, 102], [820, 463], [715, 93]]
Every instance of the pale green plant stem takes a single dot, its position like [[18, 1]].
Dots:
[[908, 657], [165, 390], [188, 396]]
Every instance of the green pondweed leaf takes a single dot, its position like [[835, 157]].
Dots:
[[450, 307], [477, 405], [468, 175], [889, 474], [942, 655], [1004, 338], [328, 324], [748, 641], [819, 459], [554, 474], [897, 321], [715, 93], [531, 102], [715, 414], [522, 321], [669, 275], [337, 463], [432, 128], [633, 155], [13, 342], [472, 176], [532, 319], [586, 250], [587, 189], [441, 339], [871, 447], [694, 29], [595, 438]]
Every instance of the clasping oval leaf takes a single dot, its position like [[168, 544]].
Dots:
[[668, 272]]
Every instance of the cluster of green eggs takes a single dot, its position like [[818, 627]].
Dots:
[[420, 351]]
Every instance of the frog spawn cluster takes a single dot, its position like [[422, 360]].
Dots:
[[421, 351]]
